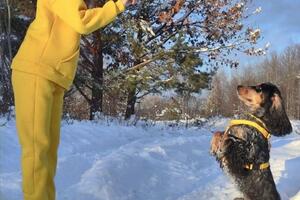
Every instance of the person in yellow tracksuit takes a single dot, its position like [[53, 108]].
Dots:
[[42, 70]]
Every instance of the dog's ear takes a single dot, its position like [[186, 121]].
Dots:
[[278, 120]]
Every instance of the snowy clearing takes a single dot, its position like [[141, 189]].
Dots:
[[109, 161]]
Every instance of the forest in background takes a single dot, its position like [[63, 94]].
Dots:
[[159, 60], [281, 69], [221, 100]]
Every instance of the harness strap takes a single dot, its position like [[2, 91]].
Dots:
[[259, 120], [261, 129], [261, 166]]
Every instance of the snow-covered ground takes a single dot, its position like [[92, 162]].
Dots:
[[110, 161]]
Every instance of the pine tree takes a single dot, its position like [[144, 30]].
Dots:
[[179, 44]]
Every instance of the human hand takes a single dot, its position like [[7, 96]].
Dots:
[[129, 2]]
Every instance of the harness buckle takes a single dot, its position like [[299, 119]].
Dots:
[[262, 166], [249, 166]]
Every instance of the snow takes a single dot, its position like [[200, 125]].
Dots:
[[109, 160]]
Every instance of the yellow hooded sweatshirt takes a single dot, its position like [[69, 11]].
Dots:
[[50, 48]]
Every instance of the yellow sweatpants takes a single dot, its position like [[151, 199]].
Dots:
[[38, 107]]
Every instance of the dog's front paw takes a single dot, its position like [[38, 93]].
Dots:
[[216, 142]]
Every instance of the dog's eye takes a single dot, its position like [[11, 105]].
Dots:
[[258, 89]]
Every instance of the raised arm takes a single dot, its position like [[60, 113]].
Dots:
[[84, 20]]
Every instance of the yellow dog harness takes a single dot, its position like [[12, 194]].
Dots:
[[262, 129]]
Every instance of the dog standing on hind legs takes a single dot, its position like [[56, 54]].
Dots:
[[243, 150]]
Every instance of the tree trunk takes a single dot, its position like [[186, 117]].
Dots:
[[131, 100], [132, 88], [97, 77], [6, 92]]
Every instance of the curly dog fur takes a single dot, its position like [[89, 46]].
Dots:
[[244, 144]]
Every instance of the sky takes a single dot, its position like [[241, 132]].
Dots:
[[279, 22]]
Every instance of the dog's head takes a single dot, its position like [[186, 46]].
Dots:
[[265, 101]]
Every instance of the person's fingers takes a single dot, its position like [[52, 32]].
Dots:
[[133, 2]]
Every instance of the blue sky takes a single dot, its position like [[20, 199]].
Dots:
[[279, 22]]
